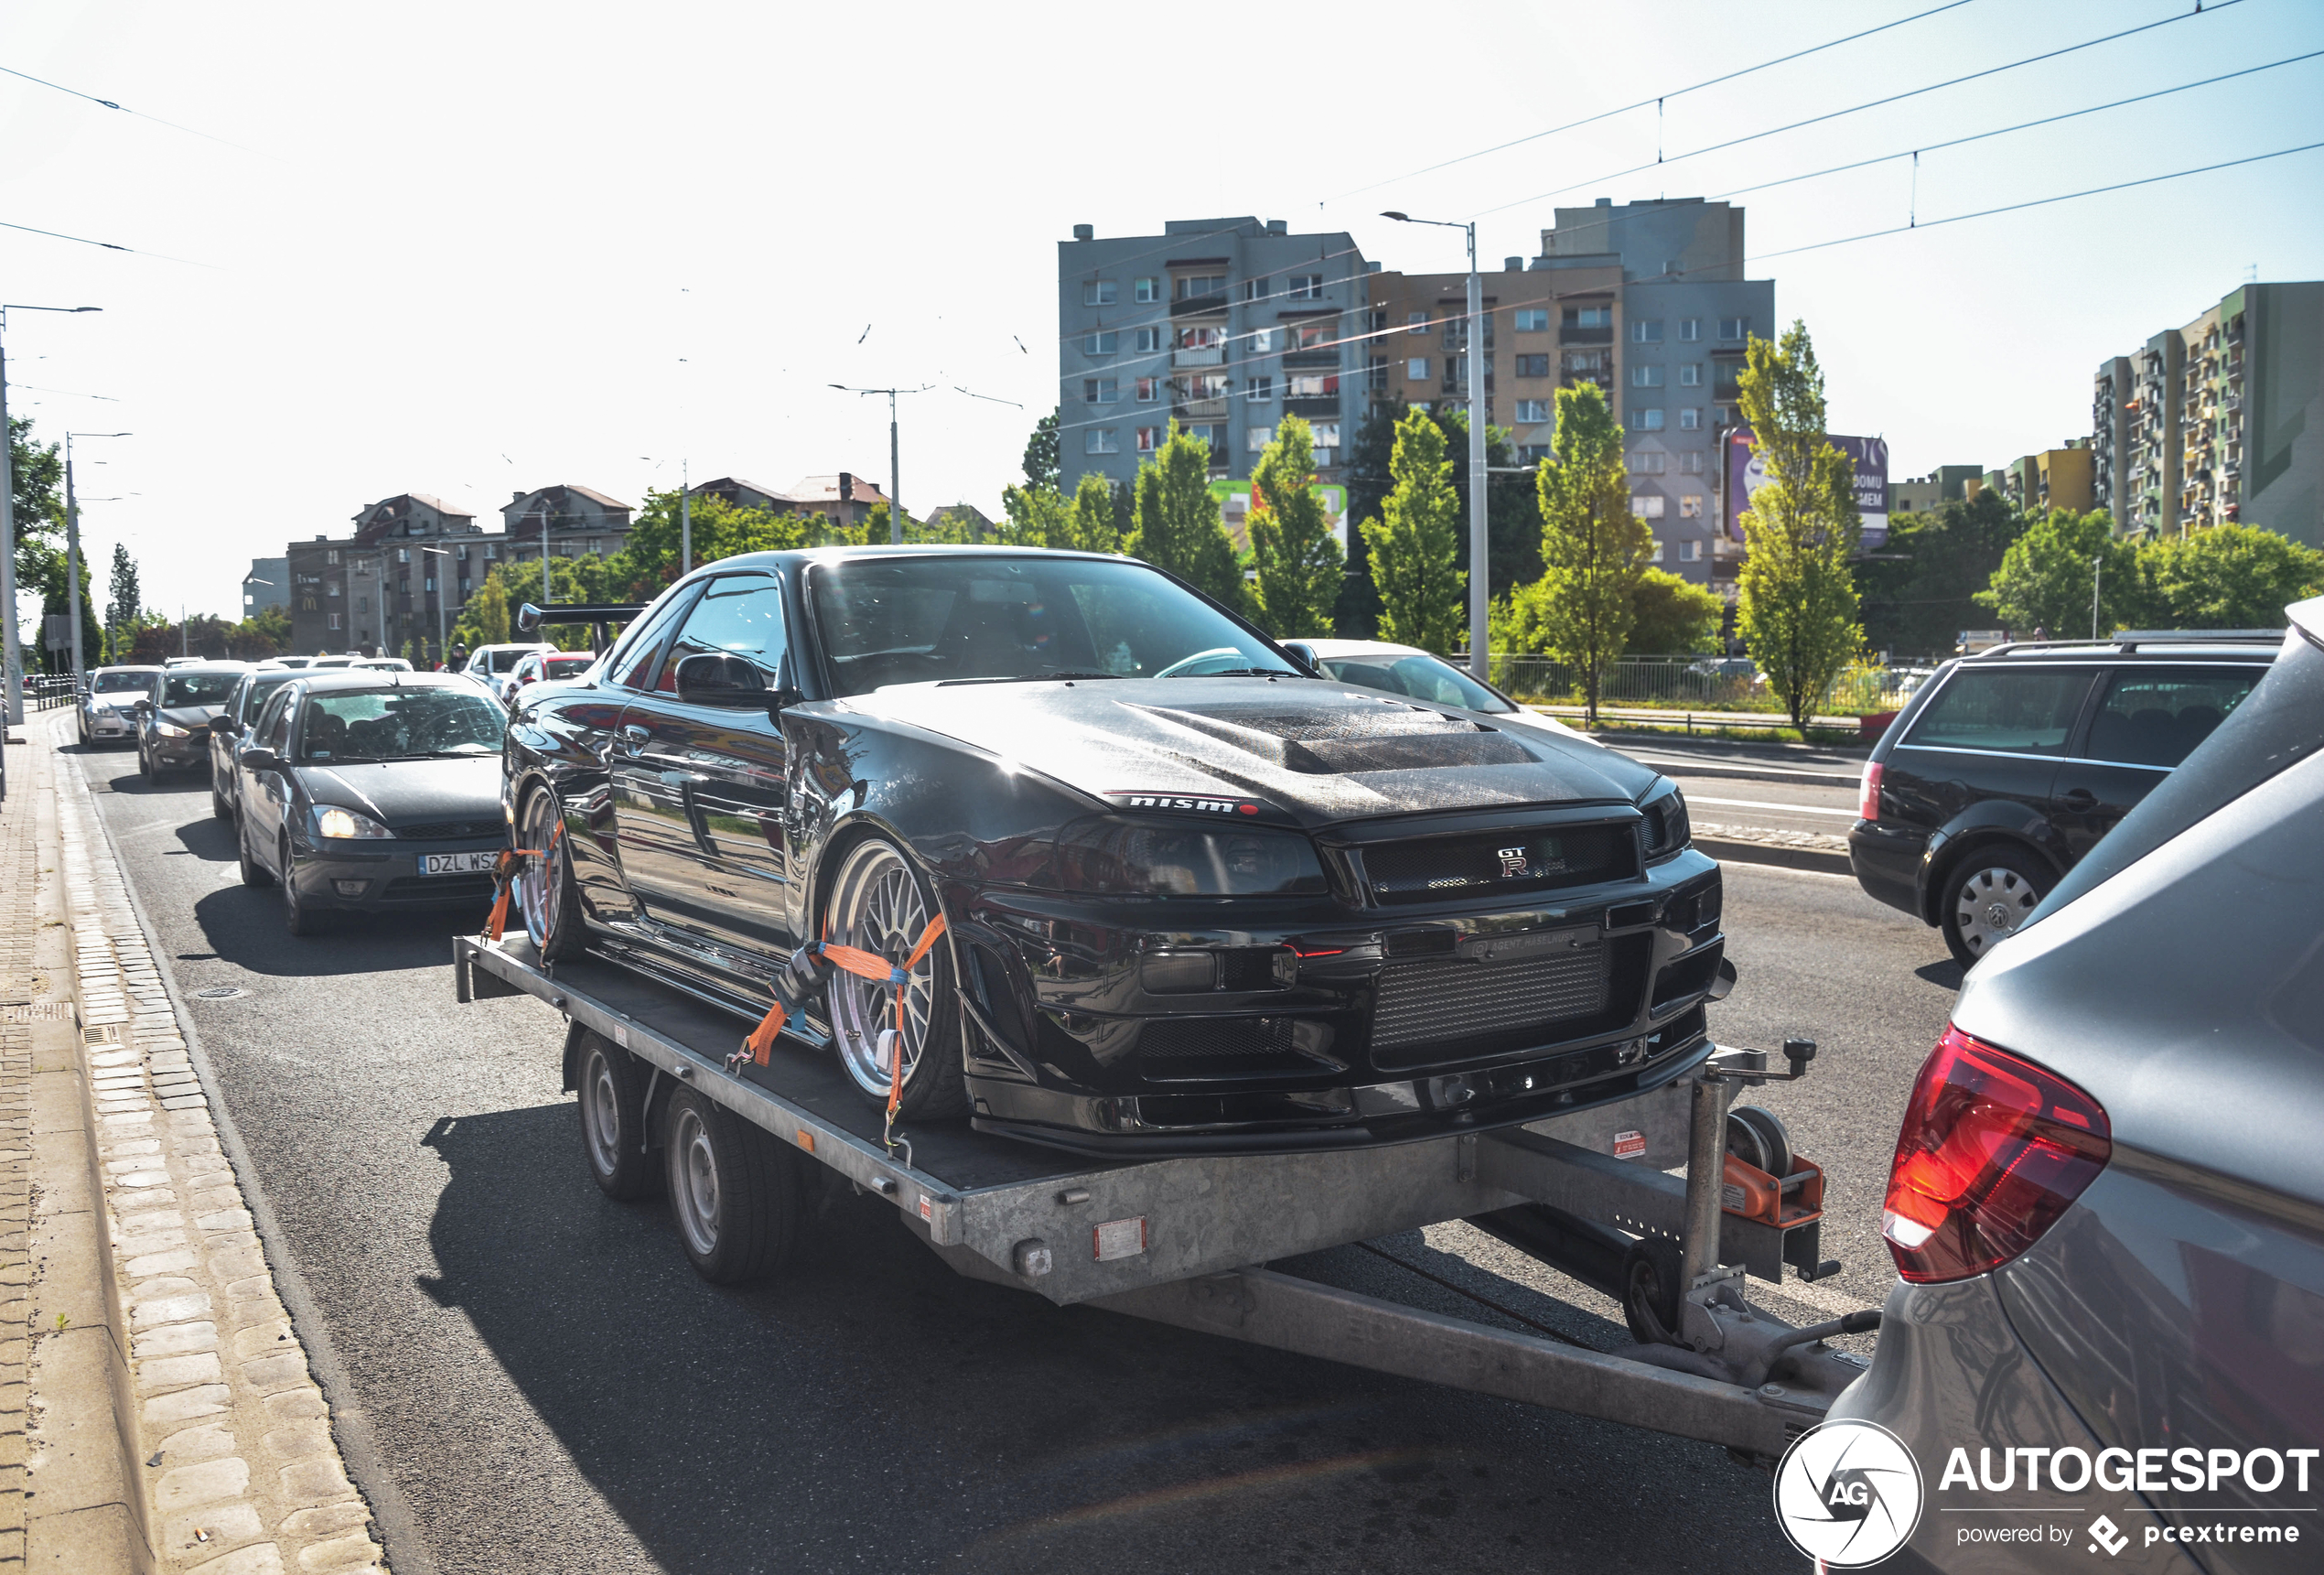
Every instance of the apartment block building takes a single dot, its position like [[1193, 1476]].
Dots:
[[2220, 420], [266, 587], [1225, 325], [2062, 477], [1651, 297], [1945, 484]]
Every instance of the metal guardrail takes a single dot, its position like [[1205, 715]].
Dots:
[[49, 693], [1704, 682]]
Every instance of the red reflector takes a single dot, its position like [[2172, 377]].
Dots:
[[1867, 801], [1993, 1150]]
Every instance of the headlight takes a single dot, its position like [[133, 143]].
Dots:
[[171, 731], [346, 824], [1126, 859], [1667, 831]]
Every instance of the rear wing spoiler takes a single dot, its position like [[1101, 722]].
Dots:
[[599, 616]]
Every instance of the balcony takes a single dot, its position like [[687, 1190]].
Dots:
[[1585, 336], [1201, 409], [1311, 360], [1328, 405], [1200, 306], [1214, 356]]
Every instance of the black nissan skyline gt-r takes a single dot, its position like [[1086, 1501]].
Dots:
[[1196, 896]]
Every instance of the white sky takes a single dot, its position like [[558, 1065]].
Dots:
[[465, 249]]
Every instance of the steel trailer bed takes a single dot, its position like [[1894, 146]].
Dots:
[[1183, 1240]]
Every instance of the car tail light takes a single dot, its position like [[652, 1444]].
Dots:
[[1867, 803], [1993, 1150]]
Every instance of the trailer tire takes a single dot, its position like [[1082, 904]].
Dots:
[[738, 1194], [1651, 1287], [613, 1122]]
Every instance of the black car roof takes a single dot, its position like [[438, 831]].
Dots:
[[790, 555], [337, 680]]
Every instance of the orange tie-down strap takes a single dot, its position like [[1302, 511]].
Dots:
[[863, 964], [504, 870]]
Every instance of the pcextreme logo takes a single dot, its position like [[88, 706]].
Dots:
[[1847, 1494]]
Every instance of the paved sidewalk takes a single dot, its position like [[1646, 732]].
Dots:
[[224, 1425]]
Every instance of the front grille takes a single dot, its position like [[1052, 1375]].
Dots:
[[1423, 1012], [1194, 1049], [440, 888], [446, 830], [1505, 863]]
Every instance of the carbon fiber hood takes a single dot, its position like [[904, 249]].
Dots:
[[1310, 751]]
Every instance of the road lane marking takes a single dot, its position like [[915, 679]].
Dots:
[[1762, 803]]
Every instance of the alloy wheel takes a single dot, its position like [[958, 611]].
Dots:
[[876, 906]]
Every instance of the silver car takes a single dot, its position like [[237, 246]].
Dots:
[[2107, 1201], [109, 703]]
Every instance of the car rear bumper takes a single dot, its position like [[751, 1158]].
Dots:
[[336, 879], [1887, 861]]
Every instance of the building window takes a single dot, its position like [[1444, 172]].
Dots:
[[1146, 289], [1148, 388], [1533, 410], [1104, 342], [1197, 286], [1326, 433], [335, 623], [363, 604], [1262, 341], [1657, 552], [1689, 419], [1690, 507], [1646, 330], [1312, 385], [1310, 336], [1099, 292], [1255, 289], [1646, 461], [1646, 377], [1307, 287], [1691, 375], [1533, 320], [1262, 390], [465, 583], [1690, 329], [1149, 440], [1417, 368], [331, 558], [1101, 440], [1101, 390], [1532, 366], [1376, 374], [1145, 342], [491, 551], [1690, 551], [1647, 505], [1646, 420], [331, 589], [1256, 438], [1734, 328], [427, 582], [1416, 323], [1721, 416], [1533, 453], [463, 550], [1588, 316]]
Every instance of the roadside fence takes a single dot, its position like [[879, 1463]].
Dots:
[[1704, 684]]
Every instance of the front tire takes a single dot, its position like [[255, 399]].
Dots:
[[218, 808], [1988, 895], [613, 1122], [298, 918], [880, 904], [738, 1194], [546, 895], [254, 874]]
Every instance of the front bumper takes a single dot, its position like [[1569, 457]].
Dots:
[[178, 754], [109, 726], [343, 877]]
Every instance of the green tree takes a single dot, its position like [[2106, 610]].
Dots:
[[1178, 526], [1036, 516], [1092, 520], [484, 620], [1921, 591], [1300, 562], [1513, 518], [1594, 548], [2047, 576], [1043, 454], [121, 612], [2230, 576], [1412, 545], [648, 562], [1797, 601], [1670, 615]]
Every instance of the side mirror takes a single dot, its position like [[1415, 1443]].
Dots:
[[1305, 655], [222, 724], [716, 678], [259, 758]]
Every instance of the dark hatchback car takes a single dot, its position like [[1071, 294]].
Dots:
[[173, 722], [1196, 896], [372, 791], [2107, 1206], [233, 720], [2006, 768]]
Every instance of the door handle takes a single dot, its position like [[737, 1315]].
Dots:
[[2080, 799], [632, 740]]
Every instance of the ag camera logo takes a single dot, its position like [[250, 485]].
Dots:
[[1848, 1492]]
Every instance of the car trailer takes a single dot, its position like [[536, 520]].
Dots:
[[1184, 1239]]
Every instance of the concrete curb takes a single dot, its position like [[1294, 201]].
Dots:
[[1728, 850]]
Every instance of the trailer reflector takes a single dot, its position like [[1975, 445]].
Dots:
[[1118, 1238], [806, 1140]]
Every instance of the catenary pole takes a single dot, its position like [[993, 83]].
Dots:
[[1479, 577], [685, 519], [12, 657], [72, 562], [895, 477]]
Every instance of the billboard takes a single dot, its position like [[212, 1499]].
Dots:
[[1746, 474], [1235, 507]]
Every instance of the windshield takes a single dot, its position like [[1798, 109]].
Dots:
[[961, 619], [195, 688], [400, 725], [1421, 677], [566, 666], [134, 682], [502, 661]]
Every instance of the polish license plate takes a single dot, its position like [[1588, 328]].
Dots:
[[457, 863]]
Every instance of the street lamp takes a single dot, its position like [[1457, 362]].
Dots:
[[895, 483], [1480, 588], [11, 657], [72, 550]]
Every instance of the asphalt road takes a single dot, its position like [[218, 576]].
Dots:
[[549, 1387]]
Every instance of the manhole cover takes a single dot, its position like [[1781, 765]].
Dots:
[[220, 993]]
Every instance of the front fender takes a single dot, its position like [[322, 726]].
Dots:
[[1980, 824]]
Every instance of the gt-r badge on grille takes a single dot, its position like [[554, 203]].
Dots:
[[1513, 863]]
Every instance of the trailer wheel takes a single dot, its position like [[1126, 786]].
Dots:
[[1651, 1272], [613, 1122], [739, 1195]]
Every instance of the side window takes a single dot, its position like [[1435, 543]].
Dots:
[[2156, 716], [274, 722], [633, 663], [740, 615], [2016, 712]]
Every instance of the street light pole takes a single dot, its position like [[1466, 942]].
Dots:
[[895, 477], [1479, 537], [685, 520], [72, 550], [11, 649]]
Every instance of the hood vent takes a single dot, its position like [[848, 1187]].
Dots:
[[1320, 741]]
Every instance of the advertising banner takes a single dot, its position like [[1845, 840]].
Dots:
[[1746, 474]]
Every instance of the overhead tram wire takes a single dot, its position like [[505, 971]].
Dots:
[[107, 245], [124, 109], [2212, 9], [1657, 99], [2021, 125]]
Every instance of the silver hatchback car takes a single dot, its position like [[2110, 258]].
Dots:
[[2107, 1201]]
